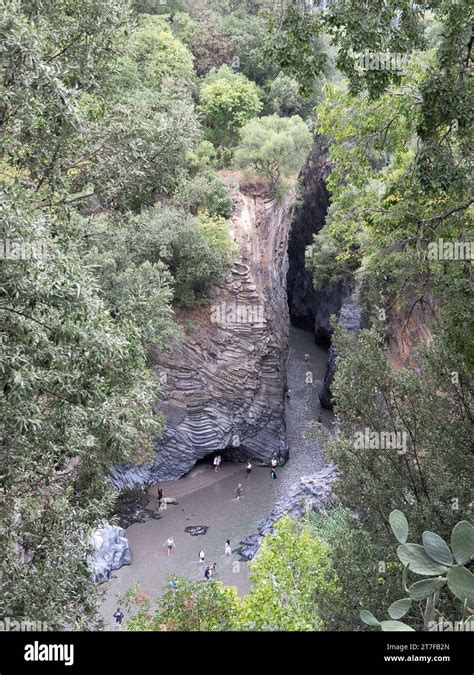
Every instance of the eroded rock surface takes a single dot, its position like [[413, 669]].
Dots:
[[110, 550], [223, 384], [350, 318]]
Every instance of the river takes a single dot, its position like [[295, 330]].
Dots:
[[208, 498]]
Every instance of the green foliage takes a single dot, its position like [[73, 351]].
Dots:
[[216, 230], [88, 109], [274, 147], [328, 260], [283, 97], [291, 576], [424, 559], [293, 43], [248, 32], [429, 408], [193, 606], [166, 235], [227, 101], [367, 573], [76, 397], [211, 44], [153, 57], [204, 192]]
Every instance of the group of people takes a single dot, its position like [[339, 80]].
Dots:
[[170, 543]]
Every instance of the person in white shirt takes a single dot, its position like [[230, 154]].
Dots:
[[227, 547], [249, 469], [169, 543], [202, 555]]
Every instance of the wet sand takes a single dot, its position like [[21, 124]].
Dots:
[[208, 498]]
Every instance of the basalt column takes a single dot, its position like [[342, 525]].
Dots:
[[223, 385]]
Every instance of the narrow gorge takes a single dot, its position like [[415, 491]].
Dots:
[[243, 383]]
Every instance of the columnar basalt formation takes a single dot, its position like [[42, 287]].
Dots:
[[223, 385]]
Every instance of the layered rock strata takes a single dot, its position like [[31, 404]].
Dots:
[[223, 385]]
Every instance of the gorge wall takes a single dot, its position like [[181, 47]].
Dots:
[[310, 309], [223, 385]]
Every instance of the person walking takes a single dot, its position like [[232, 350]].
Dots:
[[208, 572], [306, 357], [227, 547], [170, 545], [238, 491], [249, 469], [274, 475], [216, 463], [118, 616], [161, 499], [202, 555], [274, 462]]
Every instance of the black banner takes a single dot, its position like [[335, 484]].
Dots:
[[116, 652]]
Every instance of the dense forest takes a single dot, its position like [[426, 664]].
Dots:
[[124, 126]]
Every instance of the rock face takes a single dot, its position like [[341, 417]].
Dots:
[[310, 493], [223, 384], [309, 218], [110, 550], [350, 318]]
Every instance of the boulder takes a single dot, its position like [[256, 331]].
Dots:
[[110, 551]]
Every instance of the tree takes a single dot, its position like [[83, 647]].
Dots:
[[76, 397], [193, 606], [290, 575], [431, 413], [227, 101], [284, 97], [151, 58], [176, 239], [203, 192], [211, 44], [274, 147], [368, 574]]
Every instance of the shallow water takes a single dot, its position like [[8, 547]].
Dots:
[[208, 498]]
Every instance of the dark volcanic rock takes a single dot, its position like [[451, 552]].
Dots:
[[223, 384], [110, 550], [196, 530], [310, 493], [309, 218], [350, 318], [131, 507]]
